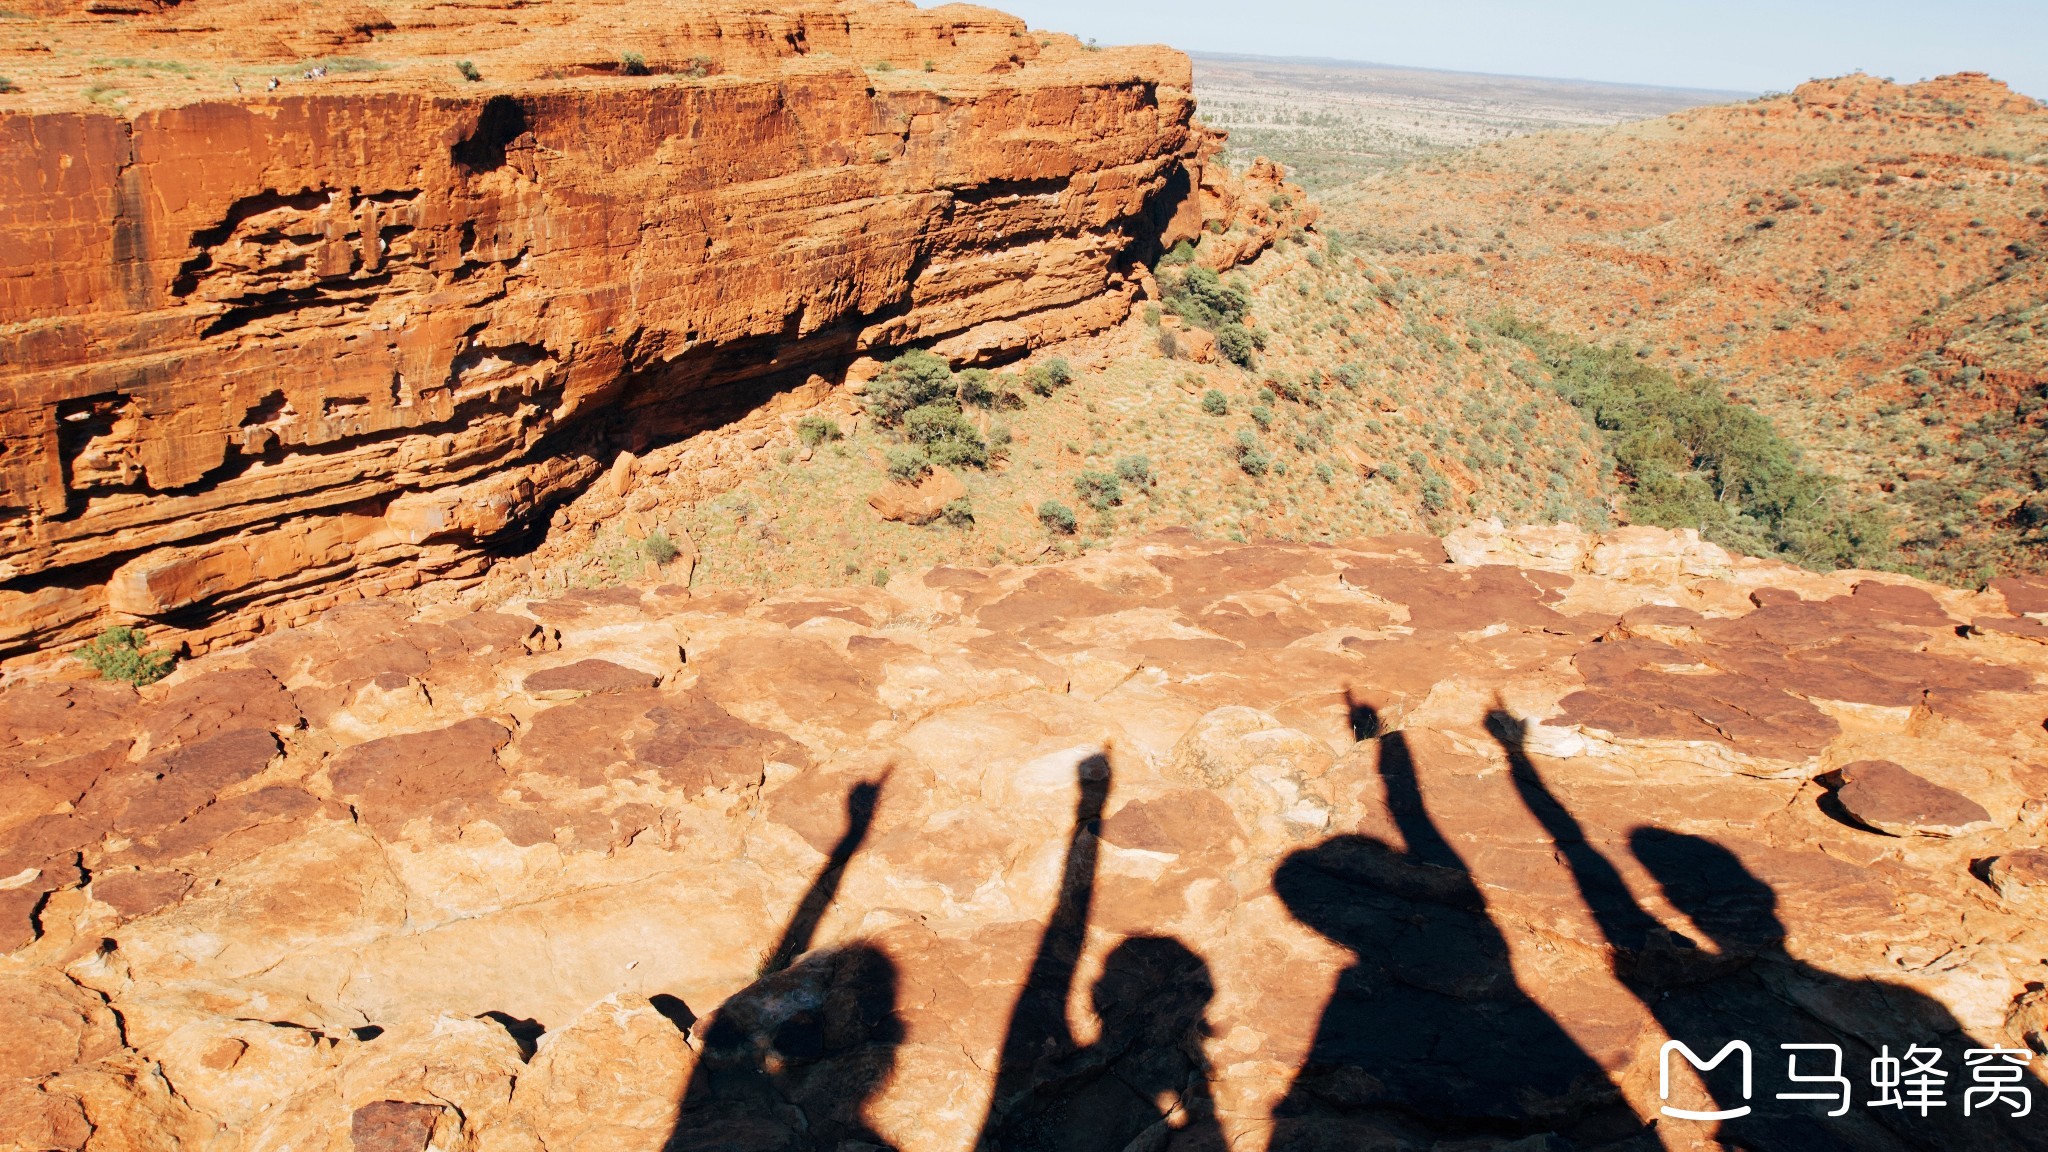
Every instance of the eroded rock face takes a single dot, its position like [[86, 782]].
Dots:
[[268, 348], [1237, 845]]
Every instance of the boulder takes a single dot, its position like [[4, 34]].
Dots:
[[918, 503]]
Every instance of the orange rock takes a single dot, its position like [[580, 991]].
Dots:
[[269, 346], [918, 503]]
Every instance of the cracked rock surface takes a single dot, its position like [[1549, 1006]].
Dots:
[[526, 879]]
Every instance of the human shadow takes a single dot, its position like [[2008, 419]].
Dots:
[[1428, 1036], [1741, 984], [789, 1063], [1144, 1082]]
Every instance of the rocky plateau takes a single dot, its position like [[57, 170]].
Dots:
[[1180, 844]]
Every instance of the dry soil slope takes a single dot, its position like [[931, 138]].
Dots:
[[1859, 259]]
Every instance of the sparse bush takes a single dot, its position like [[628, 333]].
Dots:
[[883, 66], [632, 64], [1059, 372], [1237, 343], [7, 85], [698, 67], [1135, 471], [1691, 458], [1169, 344], [1057, 517], [1099, 490], [947, 436], [119, 654], [660, 548], [911, 380], [1262, 416], [1215, 403], [881, 577], [907, 465], [1250, 457], [468, 71], [816, 430], [976, 387], [1325, 473], [959, 513]]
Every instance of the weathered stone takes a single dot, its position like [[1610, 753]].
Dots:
[[587, 676], [2021, 877], [1891, 799], [918, 503]]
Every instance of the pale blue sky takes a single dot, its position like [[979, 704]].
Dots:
[[1747, 45]]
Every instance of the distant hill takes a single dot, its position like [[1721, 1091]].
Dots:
[[1864, 262], [1331, 121]]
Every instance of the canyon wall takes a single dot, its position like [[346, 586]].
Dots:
[[333, 335]]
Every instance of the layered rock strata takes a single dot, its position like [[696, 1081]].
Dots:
[[1386, 844], [270, 346]]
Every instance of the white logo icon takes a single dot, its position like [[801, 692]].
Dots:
[[1693, 1058]]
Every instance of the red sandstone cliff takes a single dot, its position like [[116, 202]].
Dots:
[[262, 347]]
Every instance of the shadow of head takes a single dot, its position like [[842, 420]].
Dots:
[[1365, 719], [1093, 773], [836, 1005], [1153, 998], [1737, 911]]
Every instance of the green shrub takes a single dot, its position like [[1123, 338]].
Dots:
[[1135, 471], [1059, 372], [816, 430], [660, 548], [1057, 517], [1691, 458], [1250, 456], [1237, 344], [907, 465], [975, 387], [912, 380], [468, 71], [632, 64], [1099, 490], [1200, 297], [1215, 403], [1181, 253], [1325, 473], [7, 85], [959, 513], [118, 654], [1263, 416], [947, 436]]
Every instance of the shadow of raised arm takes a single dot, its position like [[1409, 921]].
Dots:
[[1038, 1028], [803, 924], [1622, 921]]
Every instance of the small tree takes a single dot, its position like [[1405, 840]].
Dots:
[[632, 64], [1215, 403], [1135, 471], [468, 71], [959, 513], [911, 380], [1057, 517], [118, 654]]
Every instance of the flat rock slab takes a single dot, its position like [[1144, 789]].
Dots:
[[587, 676], [1891, 799], [2021, 878]]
